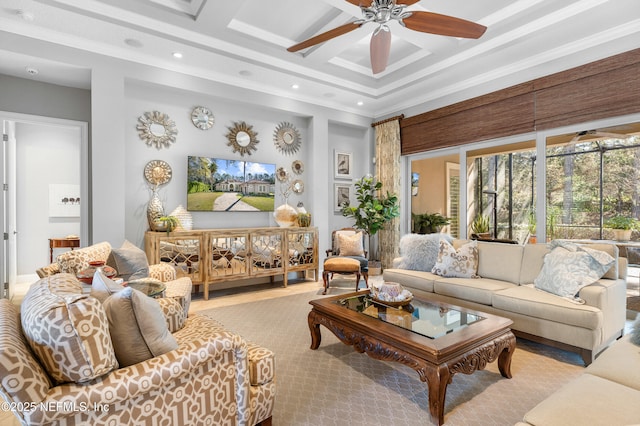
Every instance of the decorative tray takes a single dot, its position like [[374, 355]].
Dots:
[[393, 304]]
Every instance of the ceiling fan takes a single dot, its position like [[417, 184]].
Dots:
[[598, 134], [381, 12]]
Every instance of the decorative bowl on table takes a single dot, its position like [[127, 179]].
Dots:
[[86, 275], [391, 294]]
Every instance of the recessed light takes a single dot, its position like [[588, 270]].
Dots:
[[245, 73], [177, 55], [133, 42], [295, 86], [31, 70], [360, 103]]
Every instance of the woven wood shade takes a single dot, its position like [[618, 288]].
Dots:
[[601, 89]]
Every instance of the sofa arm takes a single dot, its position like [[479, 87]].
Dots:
[[203, 345], [162, 271], [45, 271], [610, 296]]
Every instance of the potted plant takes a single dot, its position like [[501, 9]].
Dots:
[[481, 225], [372, 212], [429, 223], [532, 228], [169, 223], [622, 226]]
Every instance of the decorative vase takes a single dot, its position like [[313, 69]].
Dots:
[[285, 215], [622, 234], [184, 217], [304, 219], [155, 211]]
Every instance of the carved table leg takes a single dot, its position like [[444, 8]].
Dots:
[[438, 379], [314, 328], [504, 360]]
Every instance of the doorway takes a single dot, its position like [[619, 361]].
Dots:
[[40, 157]]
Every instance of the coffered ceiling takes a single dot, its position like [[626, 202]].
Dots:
[[243, 43]]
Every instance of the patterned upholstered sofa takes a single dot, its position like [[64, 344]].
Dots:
[[212, 377]]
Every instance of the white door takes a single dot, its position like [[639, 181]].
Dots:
[[8, 254]]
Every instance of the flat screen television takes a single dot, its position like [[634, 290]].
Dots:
[[218, 185]]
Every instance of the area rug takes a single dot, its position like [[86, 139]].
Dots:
[[334, 385]]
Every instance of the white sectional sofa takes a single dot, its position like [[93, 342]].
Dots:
[[607, 393], [505, 288]]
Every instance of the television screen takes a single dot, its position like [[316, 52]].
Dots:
[[217, 185]]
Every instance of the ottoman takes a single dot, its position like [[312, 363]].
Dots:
[[340, 265]]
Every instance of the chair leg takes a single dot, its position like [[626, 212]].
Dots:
[[357, 280], [365, 274], [325, 279]]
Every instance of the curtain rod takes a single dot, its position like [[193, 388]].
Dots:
[[397, 117]]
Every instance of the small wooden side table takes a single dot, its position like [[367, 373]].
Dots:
[[62, 243]]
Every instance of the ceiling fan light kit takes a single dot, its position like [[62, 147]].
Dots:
[[382, 12]]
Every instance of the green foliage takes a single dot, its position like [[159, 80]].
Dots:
[[193, 187], [532, 222], [481, 224], [622, 222], [171, 222], [373, 210], [429, 223]]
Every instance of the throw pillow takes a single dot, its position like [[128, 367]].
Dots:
[[138, 327], [102, 287], [461, 263], [567, 268], [130, 262], [74, 261], [420, 252], [67, 330], [635, 331], [351, 245]]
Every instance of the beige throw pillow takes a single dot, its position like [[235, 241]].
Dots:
[[138, 327], [130, 262], [350, 245], [461, 263]]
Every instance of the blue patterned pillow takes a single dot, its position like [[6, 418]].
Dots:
[[567, 268]]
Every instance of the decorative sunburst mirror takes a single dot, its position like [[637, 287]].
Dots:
[[287, 138], [157, 172], [242, 138], [202, 118], [156, 128]]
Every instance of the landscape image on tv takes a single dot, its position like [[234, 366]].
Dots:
[[216, 185]]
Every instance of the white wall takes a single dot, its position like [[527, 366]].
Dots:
[[45, 155]]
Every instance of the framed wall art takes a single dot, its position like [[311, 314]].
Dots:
[[341, 195], [343, 165]]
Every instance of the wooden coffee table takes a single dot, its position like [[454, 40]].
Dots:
[[435, 339]]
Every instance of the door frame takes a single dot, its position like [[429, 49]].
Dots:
[[9, 252]]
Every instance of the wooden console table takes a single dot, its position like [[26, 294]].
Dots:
[[210, 256], [62, 243]]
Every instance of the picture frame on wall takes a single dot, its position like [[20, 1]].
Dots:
[[343, 165], [341, 194]]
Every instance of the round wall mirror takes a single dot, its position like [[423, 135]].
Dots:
[[297, 186], [242, 138], [287, 138], [202, 118], [157, 129]]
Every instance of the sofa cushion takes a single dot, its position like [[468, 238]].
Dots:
[[74, 261], [507, 256], [620, 363], [21, 376], [462, 262], [130, 262], [413, 279], [138, 328], [569, 267], [532, 261], [529, 301], [471, 289], [588, 400], [67, 330], [420, 252]]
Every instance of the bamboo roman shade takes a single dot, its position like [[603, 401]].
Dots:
[[606, 88]]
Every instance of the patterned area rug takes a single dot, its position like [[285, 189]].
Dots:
[[334, 385]]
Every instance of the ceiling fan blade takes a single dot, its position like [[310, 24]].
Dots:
[[321, 38], [434, 23], [379, 49]]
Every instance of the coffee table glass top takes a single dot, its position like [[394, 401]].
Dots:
[[149, 287], [427, 319]]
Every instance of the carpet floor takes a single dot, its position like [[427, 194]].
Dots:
[[334, 385]]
